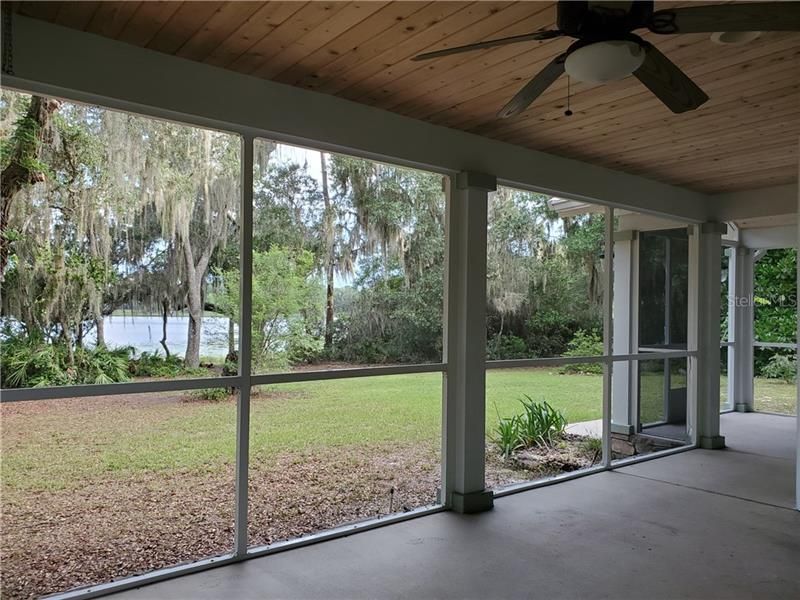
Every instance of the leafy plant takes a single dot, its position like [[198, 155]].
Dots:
[[539, 424], [152, 364], [781, 366], [506, 434], [506, 347], [591, 444], [27, 361], [210, 394], [584, 343]]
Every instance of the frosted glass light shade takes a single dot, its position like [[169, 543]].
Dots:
[[604, 61]]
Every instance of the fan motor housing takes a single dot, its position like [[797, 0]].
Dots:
[[602, 20]]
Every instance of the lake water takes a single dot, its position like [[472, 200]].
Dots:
[[144, 334]]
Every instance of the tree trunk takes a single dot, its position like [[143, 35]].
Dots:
[[231, 338], [192, 359], [164, 315], [17, 173], [100, 327], [330, 250], [195, 309], [67, 342], [329, 308], [499, 336]]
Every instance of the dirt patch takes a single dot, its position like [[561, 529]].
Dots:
[[570, 453]]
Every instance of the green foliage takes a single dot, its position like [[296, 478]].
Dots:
[[507, 435], [27, 361], [539, 424], [504, 347], [781, 366], [592, 445], [128, 198], [776, 296], [209, 395], [584, 343], [549, 332], [287, 301], [152, 364], [25, 139], [775, 301]]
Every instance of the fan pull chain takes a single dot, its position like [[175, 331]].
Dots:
[[8, 44], [568, 112]]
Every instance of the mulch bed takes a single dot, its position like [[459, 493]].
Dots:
[[107, 529]]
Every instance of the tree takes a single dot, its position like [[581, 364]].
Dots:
[[22, 159], [132, 210], [56, 242], [285, 293]]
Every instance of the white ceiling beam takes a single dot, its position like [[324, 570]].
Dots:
[[748, 204], [53, 60]]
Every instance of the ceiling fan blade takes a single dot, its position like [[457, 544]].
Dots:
[[670, 85], [534, 88], [738, 16], [538, 35]]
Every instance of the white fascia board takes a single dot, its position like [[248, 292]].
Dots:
[[54, 60], [770, 237], [748, 204]]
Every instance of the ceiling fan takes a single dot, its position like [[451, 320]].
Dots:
[[606, 48]]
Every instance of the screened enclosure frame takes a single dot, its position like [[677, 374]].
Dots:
[[244, 380]]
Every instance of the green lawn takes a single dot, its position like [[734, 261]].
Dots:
[[775, 395], [93, 479], [56, 444]]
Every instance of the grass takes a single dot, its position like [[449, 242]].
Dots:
[[93, 479], [60, 444], [775, 395]]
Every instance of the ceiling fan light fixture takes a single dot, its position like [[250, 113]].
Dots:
[[604, 61], [734, 37]]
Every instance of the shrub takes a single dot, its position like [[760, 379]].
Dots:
[[30, 362], [304, 349], [781, 366], [152, 364], [549, 332], [101, 365], [506, 347], [210, 394], [539, 424], [584, 343]]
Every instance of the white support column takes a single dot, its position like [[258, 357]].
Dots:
[[245, 322], [624, 407], [705, 271], [608, 334], [464, 403], [797, 406], [740, 326]]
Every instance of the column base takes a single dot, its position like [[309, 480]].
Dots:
[[743, 407], [623, 429], [472, 502], [714, 442]]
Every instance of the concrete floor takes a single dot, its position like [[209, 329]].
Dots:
[[700, 524]]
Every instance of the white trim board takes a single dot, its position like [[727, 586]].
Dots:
[[755, 203], [58, 61]]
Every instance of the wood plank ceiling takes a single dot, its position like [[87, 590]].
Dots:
[[745, 137]]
